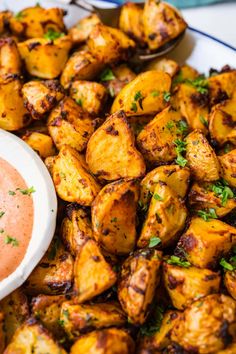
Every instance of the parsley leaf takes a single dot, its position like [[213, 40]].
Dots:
[[154, 241], [11, 193], [51, 35], [11, 240], [138, 96], [180, 147], [19, 15], [203, 120], [182, 126], [155, 93], [207, 215], [178, 261], [27, 191], [2, 213], [200, 83], [222, 190], [226, 265], [66, 313], [79, 102], [154, 324], [170, 125], [114, 219], [143, 207], [166, 96], [134, 107], [157, 197], [107, 75]]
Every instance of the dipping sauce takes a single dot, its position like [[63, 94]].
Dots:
[[16, 218]]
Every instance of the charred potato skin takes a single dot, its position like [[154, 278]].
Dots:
[[199, 328], [137, 283], [230, 283], [114, 216], [222, 86], [186, 285], [228, 167]]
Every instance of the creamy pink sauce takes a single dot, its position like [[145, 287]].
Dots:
[[16, 218]]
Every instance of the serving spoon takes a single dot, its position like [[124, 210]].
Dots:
[[110, 17]]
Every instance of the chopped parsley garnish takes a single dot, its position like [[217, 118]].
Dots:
[[111, 91], [19, 16], [157, 197], [200, 83], [143, 207], [203, 120], [11, 193], [178, 261], [182, 127], [222, 190], [79, 102], [134, 107], [166, 96], [11, 240], [107, 75], [51, 35], [138, 96], [27, 191], [114, 219], [207, 214], [155, 93], [154, 241], [154, 324], [61, 323], [2, 213], [170, 125], [180, 148], [66, 313], [226, 265], [1, 231], [181, 161]]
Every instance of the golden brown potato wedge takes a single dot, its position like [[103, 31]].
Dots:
[[114, 216], [79, 319], [69, 125], [41, 143], [81, 65], [230, 283], [54, 273], [202, 160], [15, 310], [231, 349], [13, 115], [41, 96], [222, 86], [106, 341], [76, 228], [34, 22], [131, 21], [228, 167], [111, 153], [91, 96], [81, 31], [205, 242], [161, 23], [71, 178], [117, 78], [31, 336], [92, 274], [165, 217], [186, 285], [168, 66], [10, 62], [103, 37], [45, 58], [156, 141], [138, 280], [148, 93], [186, 72], [199, 327]]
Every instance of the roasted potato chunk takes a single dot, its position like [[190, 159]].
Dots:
[[186, 72], [165, 217], [231, 349], [31, 336], [161, 23], [186, 285], [41, 96], [222, 86], [146, 94], [34, 22], [81, 31], [166, 65], [131, 21], [16, 311], [79, 319], [10, 62], [69, 125], [91, 96], [76, 228], [156, 140], [2, 334], [111, 153], [138, 280], [114, 216], [106, 341], [201, 157], [119, 77], [92, 274], [103, 37], [81, 65], [228, 167], [41, 143], [45, 58], [13, 115], [71, 178], [205, 242], [205, 327], [230, 283], [54, 273]]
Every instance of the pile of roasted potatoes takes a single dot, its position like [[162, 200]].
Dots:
[[143, 159]]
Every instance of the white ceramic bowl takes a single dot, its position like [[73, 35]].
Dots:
[[16, 152]]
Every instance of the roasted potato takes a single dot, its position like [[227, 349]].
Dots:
[[207, 326], [103, 37], [41, 143], [131, 21], [165, 217], [230, 283], [45, 58], [228, 167], [117, 78], [91, 96], [41, 96], [148, 93], [76, 228], [4, 21], [201, 157], [106, 341], [138, 280], [186, 285], [92, 274], [71, 178], [161, 23], [34, 22], [81, 65], [54, 273], [81, 31], [222, 86], [13, 115], [114, 216], [10, 62], [186, 72], [69, 125], [168, 66], [231, 349], [32, 337], [156, 141], [80, 319], [111, 153], [205, 242], [2, 333]]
